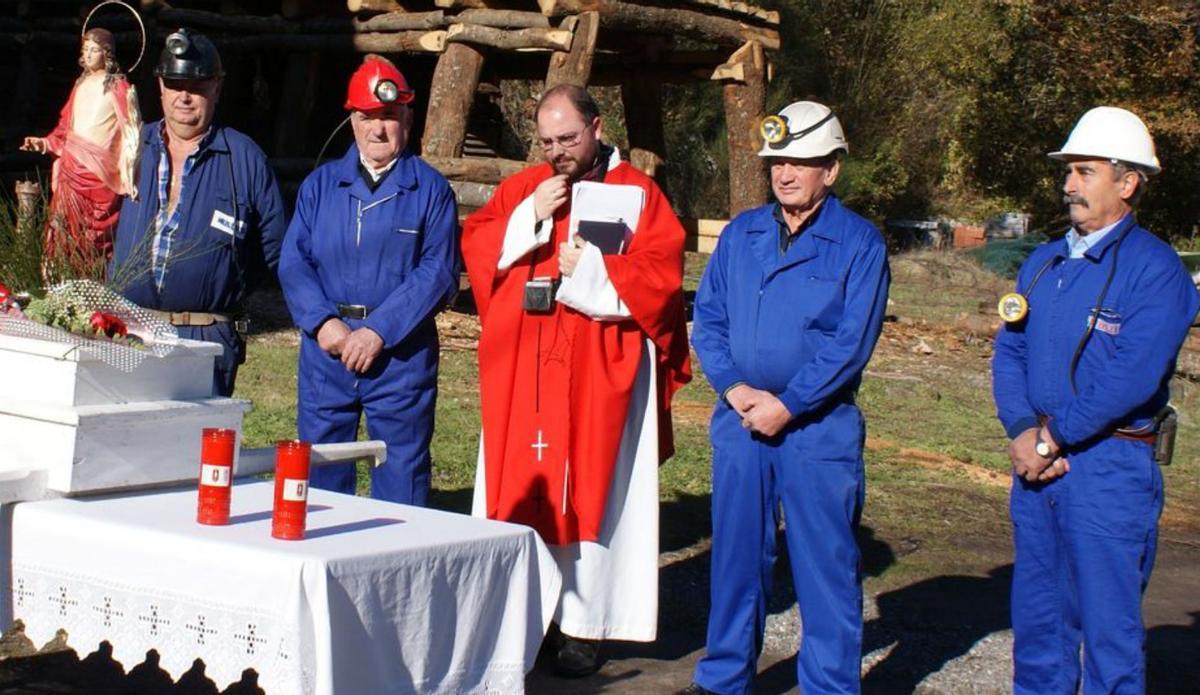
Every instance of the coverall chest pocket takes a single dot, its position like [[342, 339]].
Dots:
[[820, 300], [227, 222]]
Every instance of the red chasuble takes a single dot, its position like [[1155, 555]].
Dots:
[[556, 387]]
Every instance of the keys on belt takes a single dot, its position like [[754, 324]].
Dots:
[[353, 311]]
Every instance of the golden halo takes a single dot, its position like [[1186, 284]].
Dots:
[[1013, 307], [773, 129], [141, 26]]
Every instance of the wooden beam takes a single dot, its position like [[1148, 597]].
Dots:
[[478, 170], [750, 12], [574, 66], [471, 194], [509, 40], [642, 99], [451, 94], [701, 235], [503, 19], [662, 20], [374, 6], [401, 21], [745, 103], [729, 71], [291, 122]]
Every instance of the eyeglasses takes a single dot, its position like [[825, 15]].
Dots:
[[564, 141]]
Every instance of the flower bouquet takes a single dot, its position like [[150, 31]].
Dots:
[[92, 317]]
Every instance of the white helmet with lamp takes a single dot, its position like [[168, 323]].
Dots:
[[1108, 132], [802, 130]]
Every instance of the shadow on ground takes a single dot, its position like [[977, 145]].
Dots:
[[64, 673]]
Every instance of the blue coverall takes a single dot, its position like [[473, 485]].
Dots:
[[394, 251], [1085, 542], [802, 325], [231, 188]]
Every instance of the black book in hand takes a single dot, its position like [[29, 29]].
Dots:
[[606, 235]]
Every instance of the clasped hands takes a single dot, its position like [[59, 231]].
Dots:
[[761, 411], [357, 348], [1031, 467]]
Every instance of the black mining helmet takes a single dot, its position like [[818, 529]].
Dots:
[[189, 55]]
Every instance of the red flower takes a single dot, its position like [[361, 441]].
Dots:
[[108, 324], [5, 293]]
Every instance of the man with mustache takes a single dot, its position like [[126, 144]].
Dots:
[[576, 382], [370, 257], [1081, 381], [785, 319], [208, 221]]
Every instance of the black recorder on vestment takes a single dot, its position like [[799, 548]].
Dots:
[[539, 294]]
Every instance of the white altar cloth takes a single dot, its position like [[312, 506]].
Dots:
[[378, 598]]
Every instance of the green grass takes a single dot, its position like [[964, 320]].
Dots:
[[933, 518]]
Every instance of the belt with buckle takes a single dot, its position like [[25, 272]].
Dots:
[[191, 318], [353, 311], [1149, 436]]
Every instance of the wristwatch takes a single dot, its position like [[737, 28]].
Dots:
[[1042, 447]]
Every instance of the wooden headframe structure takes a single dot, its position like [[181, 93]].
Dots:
[[637, 46]]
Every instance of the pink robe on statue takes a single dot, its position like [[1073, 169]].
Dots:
[[96, 143]]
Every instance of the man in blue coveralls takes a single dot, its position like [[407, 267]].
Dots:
[[1080, 376], [370, 256], [209, 221], [786, 317]]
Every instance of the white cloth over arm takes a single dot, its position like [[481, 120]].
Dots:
[[589, 289], [523, 234]]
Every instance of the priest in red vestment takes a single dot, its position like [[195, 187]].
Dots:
[[97, 143], [580, 354]]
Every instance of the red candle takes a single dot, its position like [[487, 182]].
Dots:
[[291, 489], [216, 475]]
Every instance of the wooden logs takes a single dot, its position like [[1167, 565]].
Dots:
[[574, 66], [477, 170], [510, 40], [374, 6], [662, 20], [745, 103], [451, 94], [373, 42], [29, 197], [300, 79], [643, 122], [503, 19], [750, 12], [471, 194], [401, 21]]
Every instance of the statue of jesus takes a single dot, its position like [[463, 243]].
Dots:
[[96, 143]]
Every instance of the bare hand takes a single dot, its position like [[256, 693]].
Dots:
[[331, 336], [1058, 469], [549, 196], [360, 349], [740, 397], [35, 144], [569, 255], [761, 411], [1026, 463]]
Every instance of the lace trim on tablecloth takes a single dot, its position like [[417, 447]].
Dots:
[[229, 639]]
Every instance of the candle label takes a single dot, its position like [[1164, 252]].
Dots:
[[214, 476], [295, 490]]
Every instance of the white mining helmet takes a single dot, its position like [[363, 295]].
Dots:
[[1107, 132], [803, 130]]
